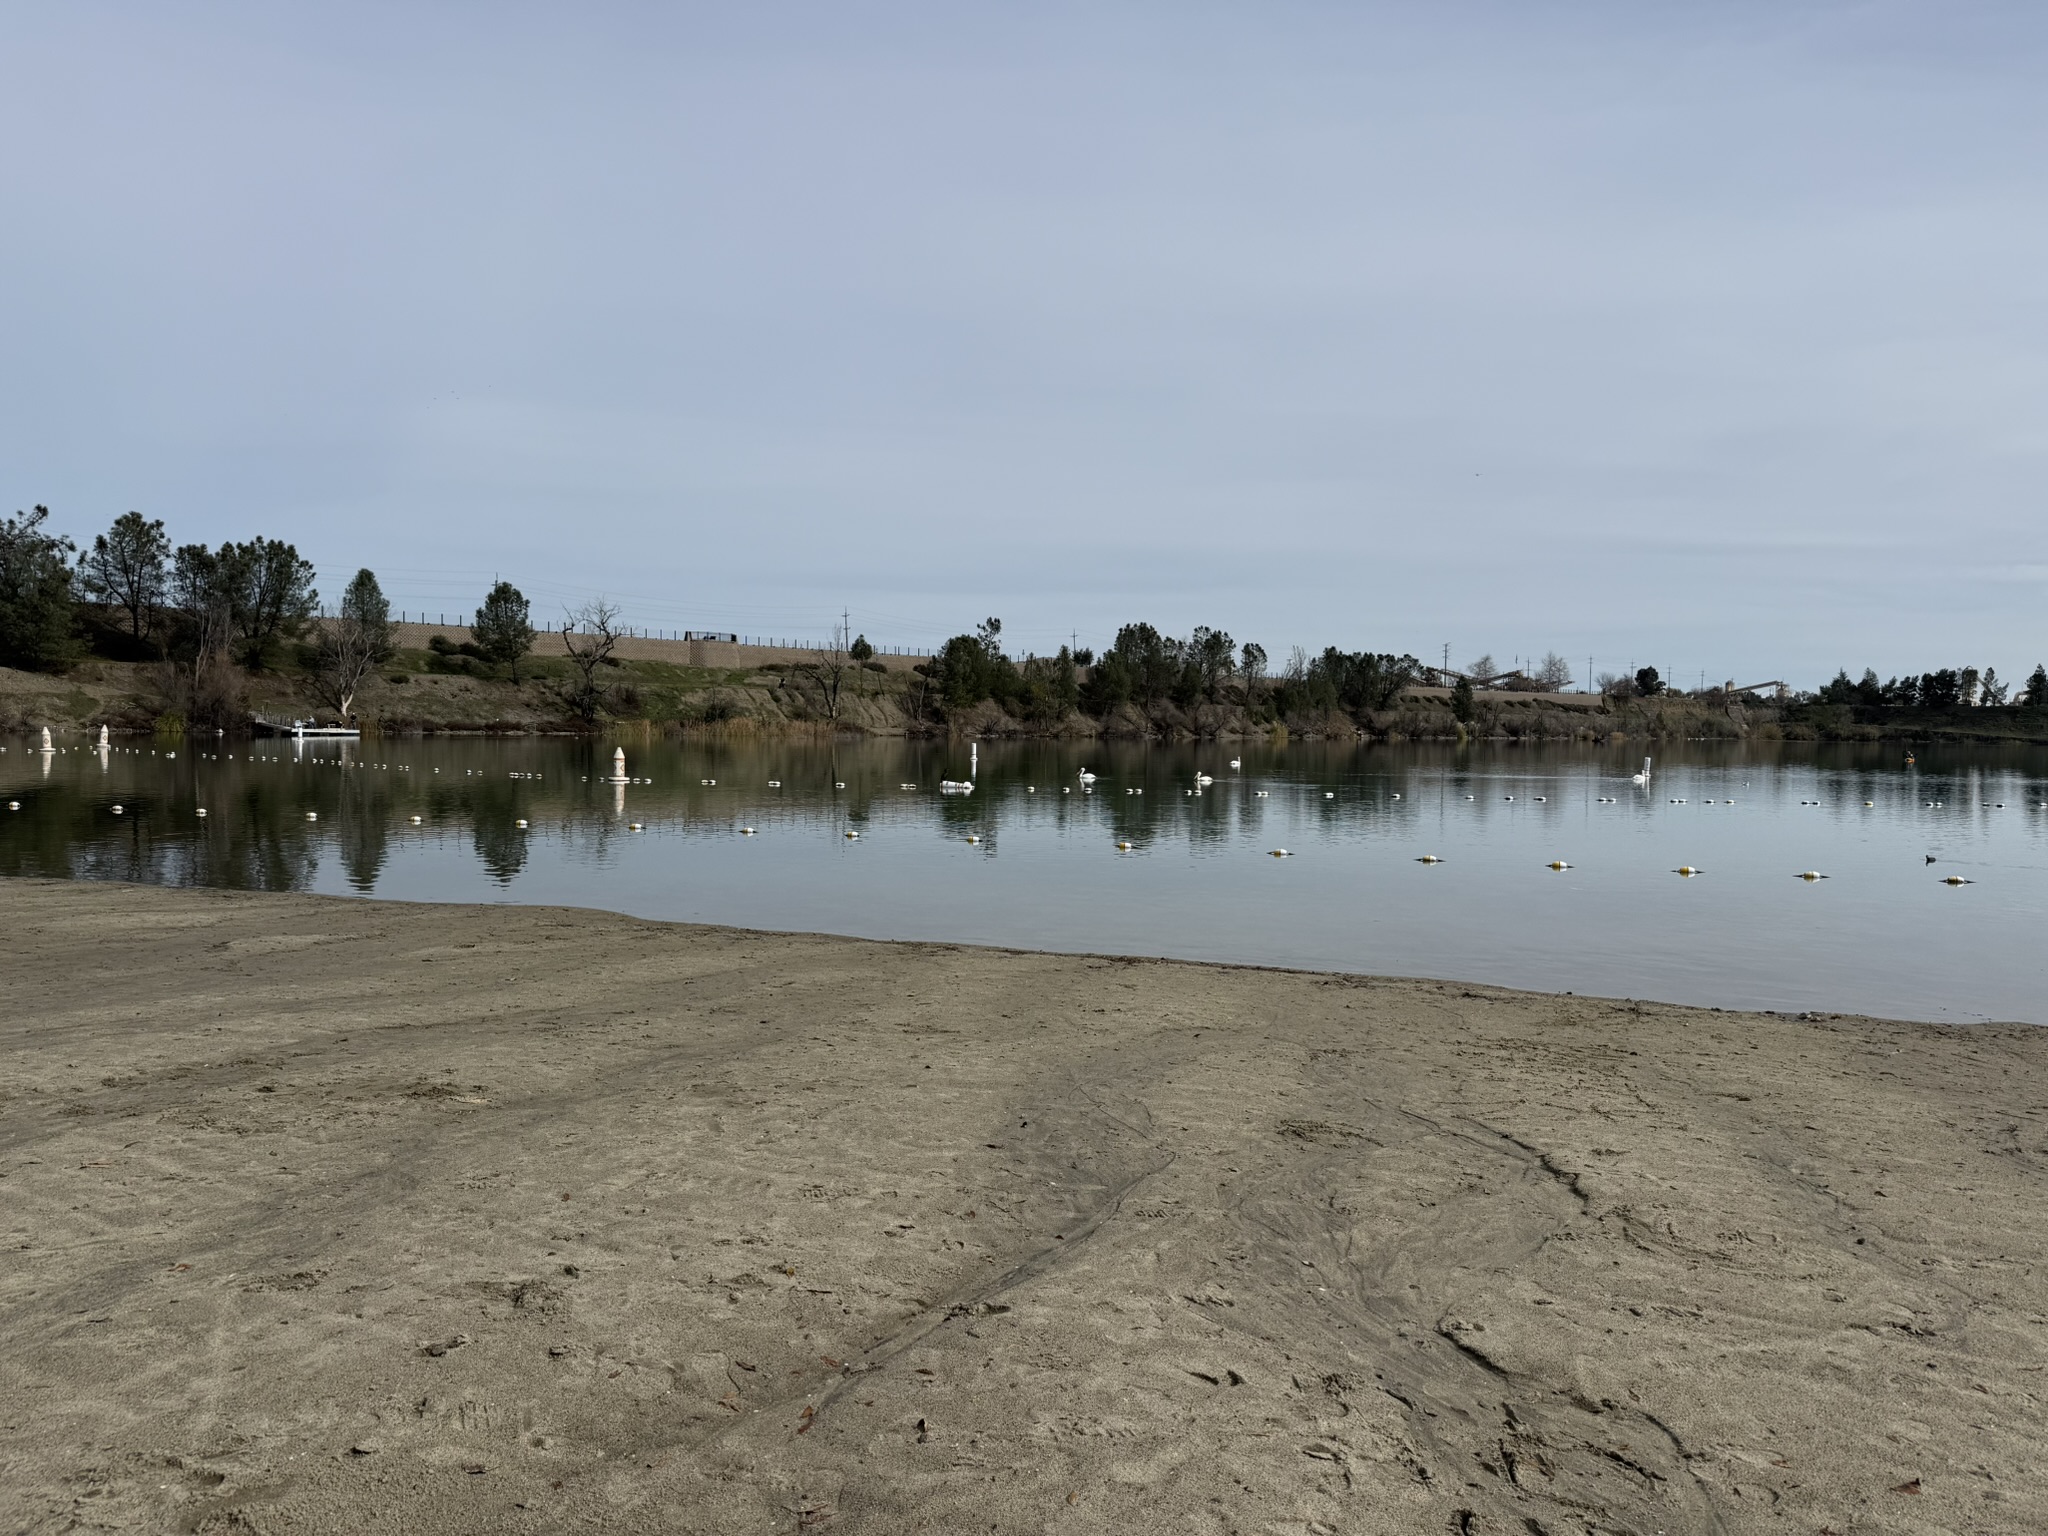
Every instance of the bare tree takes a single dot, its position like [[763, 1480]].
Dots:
[[590, 634], [829, 671], [1553, 672], [356, 640]]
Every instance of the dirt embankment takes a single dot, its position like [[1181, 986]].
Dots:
[[338, 1217]]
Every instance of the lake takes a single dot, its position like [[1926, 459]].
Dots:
[[1137, 862]]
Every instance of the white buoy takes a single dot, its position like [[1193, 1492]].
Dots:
[[746, 831], [46, 740], [1124, 845], [200, 812], [1557, 864], [415, 820], [103, 735], [312, 815], [851, 834], [1282, 853], [1429, 858], [520, 824]]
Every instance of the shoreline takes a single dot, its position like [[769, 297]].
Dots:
[[337, 1214]]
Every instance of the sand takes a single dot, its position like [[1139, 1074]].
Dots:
[[338, 1216]]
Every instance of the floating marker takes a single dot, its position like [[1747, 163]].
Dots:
[[1540, 799], [1812, 874], [852, 834], [519, 824], [1329, 794], [973, 837], [312, 815], [1686, 870], [775, 783], [634, 826], [1125, 847], [1397, 797], [117, 810], [746, 831], [839, 784], [200, 812], [1429, 858], [415, 820], [1957, 880], [1557, 864]]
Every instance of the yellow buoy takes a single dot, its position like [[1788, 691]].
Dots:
[[1685, 869], [1557, 864]]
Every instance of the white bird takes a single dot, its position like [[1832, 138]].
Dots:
[[1397, 797], [1204, 779], [1086, 777], [1644, 776], [1237, 762]]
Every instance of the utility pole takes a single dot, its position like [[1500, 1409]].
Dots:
[[1446, 674]]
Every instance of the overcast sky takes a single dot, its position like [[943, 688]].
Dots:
[[1714, 336]]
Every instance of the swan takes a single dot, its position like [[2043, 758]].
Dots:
[[1204, 779], [1086, 777]]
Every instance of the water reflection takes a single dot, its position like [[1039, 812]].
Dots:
[[1032, 854]]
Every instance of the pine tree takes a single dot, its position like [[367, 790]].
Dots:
[[503, 631]]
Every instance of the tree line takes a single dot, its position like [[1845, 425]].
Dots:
[[1946, 688], [1146, 668], [210, 616]]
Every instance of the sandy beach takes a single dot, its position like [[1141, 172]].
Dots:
[[337, 1216]]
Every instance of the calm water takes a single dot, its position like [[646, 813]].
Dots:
[[1020, 862]]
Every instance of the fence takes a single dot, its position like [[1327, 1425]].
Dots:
[[680, 636]]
